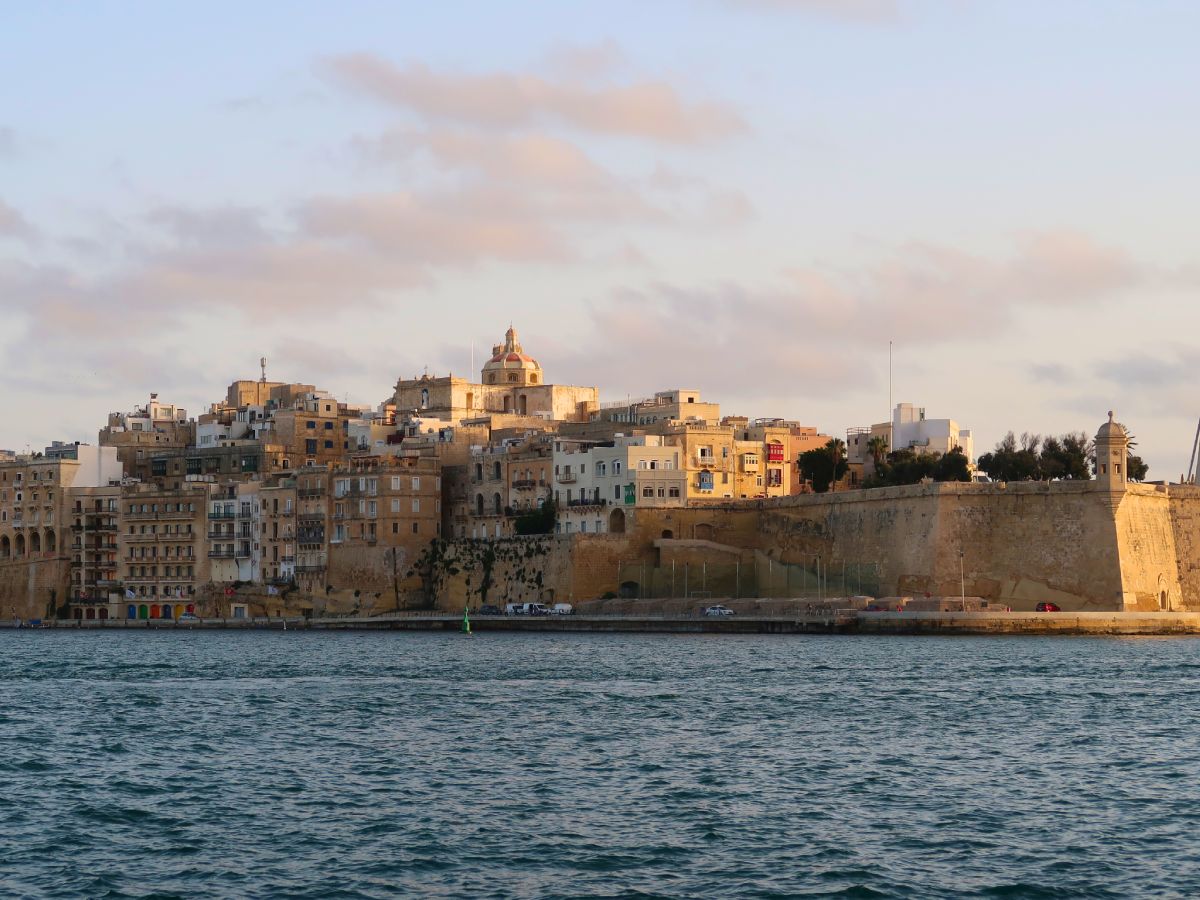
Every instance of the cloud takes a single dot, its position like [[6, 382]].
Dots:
[[854, 10], [809, 325], [15, 226], [510, 101], [586, 62]]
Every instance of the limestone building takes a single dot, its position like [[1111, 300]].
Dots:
[[511, 383]]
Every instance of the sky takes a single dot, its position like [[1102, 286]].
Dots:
[[750, 198]]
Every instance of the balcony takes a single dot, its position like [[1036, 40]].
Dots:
[[220, 553], [222, 514], [524, 484], [287, 559], [221, 535], [242, 552], [311, 492], [566, 477], [139, 537], [309, 568], [587, 502]]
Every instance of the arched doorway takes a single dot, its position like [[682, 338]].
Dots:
[[668, 533], [155, 611], [50, 543], [131, 611], [143, 611], [629, 590], [90, 613], [479, 504], [168, 612], [103, 612], [5, 547], [523, 405], [79, 612], [496, 503], [20, 545], [704, 531], [507, 403], [616, 521], [35, 542]]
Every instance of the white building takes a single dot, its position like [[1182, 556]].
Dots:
[[912, 430], [594, 481]]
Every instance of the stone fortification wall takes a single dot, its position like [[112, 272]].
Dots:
[[33, 587], [1020, 543]]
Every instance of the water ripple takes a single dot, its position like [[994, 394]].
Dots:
[[306, 765]]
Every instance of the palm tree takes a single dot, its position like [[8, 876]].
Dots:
[[878, 448]]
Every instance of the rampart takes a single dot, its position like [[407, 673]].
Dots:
[[1075, 544]]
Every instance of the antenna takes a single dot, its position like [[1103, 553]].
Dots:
[[262, 362], [1192, 461]]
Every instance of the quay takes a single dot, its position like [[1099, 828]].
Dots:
[[847, 621]]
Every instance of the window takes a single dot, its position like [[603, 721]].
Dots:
[[616, 492], [329, 445], [395, 504], [647, 491], [372, 509], [310, 425], [395, 482], [416, 505], [416, 528], [661, 491], [310, 446], [673, 492], [583, 527], [395, 528], [616, 467], [329, 426], [416, 483]]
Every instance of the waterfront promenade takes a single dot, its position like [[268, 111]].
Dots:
[[835, 621]]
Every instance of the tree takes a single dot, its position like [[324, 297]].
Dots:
[[824, 465], [538, 521], [877, 446], [952, 466], [1137, 469]]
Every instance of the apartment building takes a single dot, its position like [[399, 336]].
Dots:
[[162, 545]]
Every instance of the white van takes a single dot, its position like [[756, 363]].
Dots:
[[526, 609], [562, 609]]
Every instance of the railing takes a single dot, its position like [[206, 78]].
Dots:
[[311, 492], [523, 484], [220, 554], [310, 567], [242, 552], [586, 501], [221, 535], [221, 514], [566, 477]]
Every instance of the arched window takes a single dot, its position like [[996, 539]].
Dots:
[[5, 547], [35, 542], [496, 503], [51, 543], [20, 545], [496, 470], [479, 471], [424, 397], [479, 504]]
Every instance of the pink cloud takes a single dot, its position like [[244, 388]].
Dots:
[[507, 101]]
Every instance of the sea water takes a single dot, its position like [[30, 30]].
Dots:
[[323, 765]]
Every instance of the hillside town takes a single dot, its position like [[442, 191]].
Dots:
[[280, 492]]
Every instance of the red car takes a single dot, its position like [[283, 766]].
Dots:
[[1047, 607]]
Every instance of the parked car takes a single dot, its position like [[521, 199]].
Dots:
[[188, 617], [488, 610], [562, 609], [1047, 607], [718, 610]]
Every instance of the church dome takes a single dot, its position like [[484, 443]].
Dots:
[[1111, 430], [510, 365]]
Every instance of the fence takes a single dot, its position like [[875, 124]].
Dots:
[[764, 578]]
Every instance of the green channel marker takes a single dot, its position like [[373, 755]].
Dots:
[[466, 621]]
